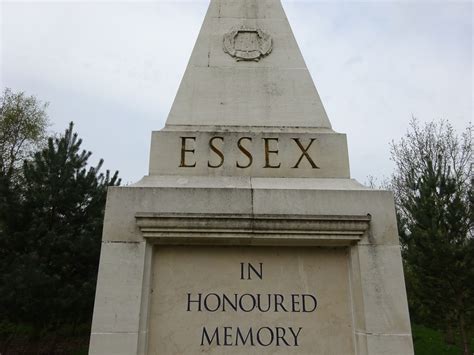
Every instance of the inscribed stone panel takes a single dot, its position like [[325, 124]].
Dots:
[[250, 300]]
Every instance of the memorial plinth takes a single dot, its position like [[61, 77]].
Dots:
[[248, 236]]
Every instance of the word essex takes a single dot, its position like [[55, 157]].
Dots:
[[269, 149]]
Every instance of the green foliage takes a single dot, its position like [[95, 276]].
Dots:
[[428, 341], [433, 188], [23, 123], [81, 352], [50, 239]]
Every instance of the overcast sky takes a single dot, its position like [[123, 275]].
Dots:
[[114, 68]]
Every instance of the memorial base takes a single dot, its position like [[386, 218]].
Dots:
[[240, 265]]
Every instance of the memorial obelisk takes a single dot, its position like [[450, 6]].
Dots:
[[248, 236]]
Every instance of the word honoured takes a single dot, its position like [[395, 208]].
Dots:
[[246, 303], [246, 159]]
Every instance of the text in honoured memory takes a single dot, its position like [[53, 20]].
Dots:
[[246, 303], [269, 149]]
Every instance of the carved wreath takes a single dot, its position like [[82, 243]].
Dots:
[[255, 44]]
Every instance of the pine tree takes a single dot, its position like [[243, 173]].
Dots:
[[432, 187], [51, 242]]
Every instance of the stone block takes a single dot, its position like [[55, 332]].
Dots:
[[123, 203], [113, 343], [379, 204], [260, 9], [257, 154], [227, 96], [383, 289], [387, 344], [119, 288]]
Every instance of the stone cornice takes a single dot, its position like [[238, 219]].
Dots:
[[244, 229]]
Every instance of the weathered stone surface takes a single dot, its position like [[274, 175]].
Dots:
[[262, 196], [378, 301], [275, 91], [113, 343], [248, 9], [258, 154], [124, 203], [379, 204], [121, 270], [249, 171], [287, 274], [384, 290]]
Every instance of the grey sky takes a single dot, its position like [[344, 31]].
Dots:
[[114, 68]]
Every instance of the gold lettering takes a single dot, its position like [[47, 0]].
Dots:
[[217, 151], [305, 153], [185, 150], [268, 152], [246, 153]]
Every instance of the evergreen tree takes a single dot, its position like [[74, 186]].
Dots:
[[432, 186], [50, 241]]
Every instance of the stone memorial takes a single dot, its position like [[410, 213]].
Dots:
[[248, 235]]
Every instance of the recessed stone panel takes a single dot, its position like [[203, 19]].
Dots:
[[250, 300]]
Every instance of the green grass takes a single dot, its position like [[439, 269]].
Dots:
[[430, 342], [84, 351]]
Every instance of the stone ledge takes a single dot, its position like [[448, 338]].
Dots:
[[245, 229]]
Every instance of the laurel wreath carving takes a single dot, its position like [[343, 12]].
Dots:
[[262, 47]]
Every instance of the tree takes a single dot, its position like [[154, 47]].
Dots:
[[49, 249], [23, 123], [433, 193]]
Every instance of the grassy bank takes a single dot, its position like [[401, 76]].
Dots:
[[428, 341]]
